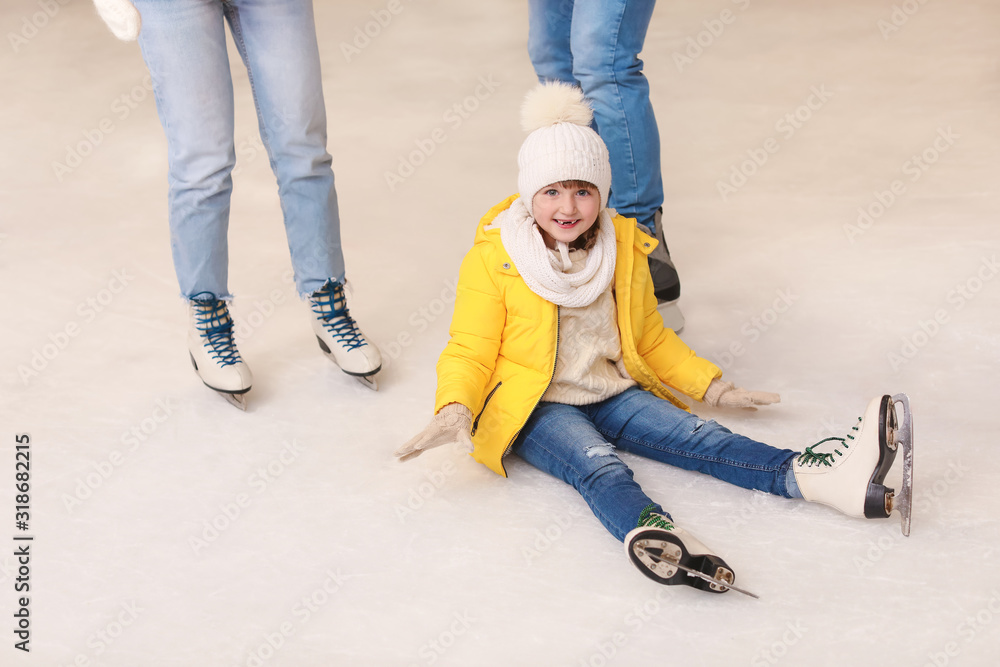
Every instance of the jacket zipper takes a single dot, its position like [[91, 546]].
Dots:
[[475, 424], [552, 374]]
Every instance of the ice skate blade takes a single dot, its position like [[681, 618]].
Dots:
[[239, 400], [724, 585], [367, 380], [903, 501]]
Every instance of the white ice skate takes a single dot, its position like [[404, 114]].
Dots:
[[849, 472], [670, 555], [213, 351], [339, 336]]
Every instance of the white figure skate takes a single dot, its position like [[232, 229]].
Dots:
[[213, 351], [339, 336], [849, 473]]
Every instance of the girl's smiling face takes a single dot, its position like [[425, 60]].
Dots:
[[565, 211]]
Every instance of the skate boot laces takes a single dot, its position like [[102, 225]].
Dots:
[[810, 457], [330, 306], [216, 326], [651, 519]]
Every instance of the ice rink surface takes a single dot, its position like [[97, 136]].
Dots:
[[832, 206]]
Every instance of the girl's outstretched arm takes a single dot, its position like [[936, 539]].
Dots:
[[469, 359]]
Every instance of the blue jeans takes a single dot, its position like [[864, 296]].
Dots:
[[577, 444], [184, 45], [595, 44]]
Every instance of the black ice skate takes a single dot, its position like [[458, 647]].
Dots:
[[670, 555], [666, 282], [849, 473]]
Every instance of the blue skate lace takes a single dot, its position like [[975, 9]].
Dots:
[[330, 306], [216, 326], [809, 457]]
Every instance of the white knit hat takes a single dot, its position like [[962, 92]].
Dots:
[[561, 146]]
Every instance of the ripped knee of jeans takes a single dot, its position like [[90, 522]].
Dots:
[[603, 449], [702, 422]]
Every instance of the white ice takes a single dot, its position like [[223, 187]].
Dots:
[[171, 529]]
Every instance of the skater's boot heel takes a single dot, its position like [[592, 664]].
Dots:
[[716, 568], [879, 501]]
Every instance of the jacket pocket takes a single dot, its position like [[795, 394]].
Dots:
[[475, 423]]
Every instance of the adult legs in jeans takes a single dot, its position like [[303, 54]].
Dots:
[[595, 44], [577, 443], [184, 45]]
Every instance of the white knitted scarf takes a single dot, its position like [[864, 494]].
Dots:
[[543, 273]]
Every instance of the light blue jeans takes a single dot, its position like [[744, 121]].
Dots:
[[577, 444], [184, 45], [595, 44]]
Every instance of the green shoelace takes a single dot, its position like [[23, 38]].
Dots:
[[810, 457], [648, 518]]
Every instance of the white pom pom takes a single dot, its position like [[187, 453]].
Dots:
[[555, 102]]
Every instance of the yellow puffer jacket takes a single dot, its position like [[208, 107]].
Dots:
[[504, 339]]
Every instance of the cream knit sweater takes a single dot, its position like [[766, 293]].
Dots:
[[589, 366]]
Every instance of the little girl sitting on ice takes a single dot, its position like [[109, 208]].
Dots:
[[557, 354]]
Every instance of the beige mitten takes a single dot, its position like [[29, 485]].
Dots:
[[122, 17], [451, 424], [726, 395]]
